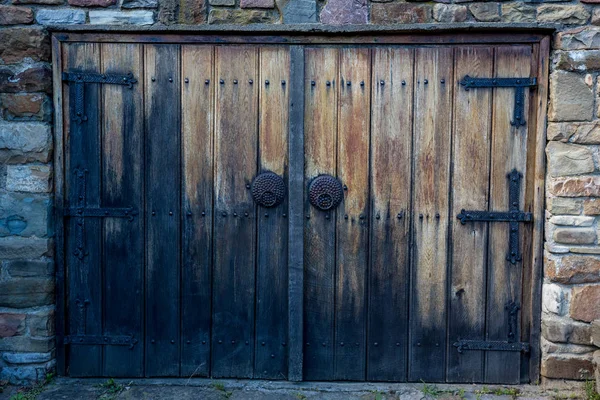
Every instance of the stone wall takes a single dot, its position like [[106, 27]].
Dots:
[[571, 291]]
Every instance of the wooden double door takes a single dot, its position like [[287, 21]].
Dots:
[[290, 212]]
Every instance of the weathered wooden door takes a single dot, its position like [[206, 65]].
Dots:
[[317, 212]]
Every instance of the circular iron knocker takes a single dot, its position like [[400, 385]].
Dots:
[[268, 189], [325, 192]]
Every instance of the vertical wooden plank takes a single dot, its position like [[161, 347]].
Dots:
[[61, 108], [471, 154], [353, 214], [84, 274], [320, 125], [271, 269], [432, 124], [296, 215], [162, 106], [509, 150], [122, 184], [391, 146], [534, 278], [197, 113], [235, 212]]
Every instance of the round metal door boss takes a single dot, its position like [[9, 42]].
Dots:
[[325, 192], [268, 189]]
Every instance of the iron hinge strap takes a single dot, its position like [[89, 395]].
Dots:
[[127, 212], [78, 79], [101, 340], [519, 84], [494, 216], [491, 345]]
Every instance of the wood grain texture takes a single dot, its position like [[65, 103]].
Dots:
[[391, 146], [234, 233], [163, 257], [432, 132], [197, 118], [84, 276], [270, 360], [353, 214], [61, 109], [122, 185], [471, 163], [320, 127], [509, 150], [296, 216], [533, 281]]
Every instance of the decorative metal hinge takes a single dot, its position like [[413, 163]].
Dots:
[[514, 216], [79, 79], [518, 83], [491, 345], [103, 340], [81, 212]]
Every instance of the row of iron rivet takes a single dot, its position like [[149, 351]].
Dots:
[[313, 83]]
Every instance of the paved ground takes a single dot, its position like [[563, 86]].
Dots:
[[182, 389]]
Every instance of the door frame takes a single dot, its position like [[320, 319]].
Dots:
[[297, 37]]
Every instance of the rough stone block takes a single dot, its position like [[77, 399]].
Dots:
[[58, 17], [25, 107], [563, 14], [41, 323], [27, 358], [24, 215], [575, 236], [568, 220], [127, 4], [298, 11], [584, 303], [341, 12], [222, 3], [242, 17], [24, 142], [573, 269], [401, 13], [25, 344], [11, 324], [580, 186], [595, 332], [34, 79], [449, 13], [585, 250], [485, 12], [518, 12], [20, 43], [565, 348], [577, 60], [575, 132], [11, 15], [29, 268], [92, 3], [28, 178], [565, 206], [571, 99], [553, 299], [257, 3], [109, 17], [579, 39], [26, 375], [591, 207], [42, 2], [182, 12], [569, 159], [18, 248], [565, 330], [26, 292], [567, 367]]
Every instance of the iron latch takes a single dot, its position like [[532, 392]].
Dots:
[[518, 83], [491, 345]]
